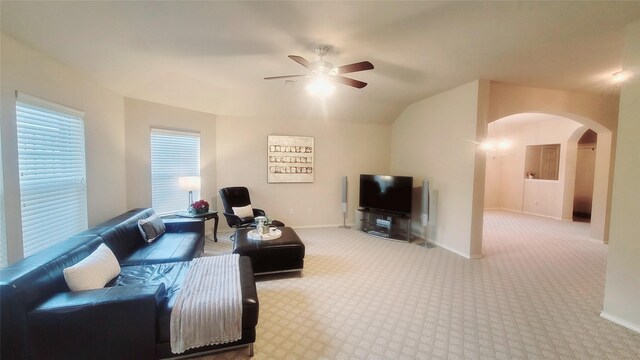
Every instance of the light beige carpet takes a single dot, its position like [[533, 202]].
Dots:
[[536, 294]]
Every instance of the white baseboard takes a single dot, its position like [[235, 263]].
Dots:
[[597, 241], [431, 241], [448, 248], [352, 226], [620, 322], [544, 216], [415, 235], [526, 212], [504, 209], [229, 230]]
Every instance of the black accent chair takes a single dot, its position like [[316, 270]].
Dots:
[[238, 196]]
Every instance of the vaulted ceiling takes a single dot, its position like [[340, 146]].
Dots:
[[213, 56]]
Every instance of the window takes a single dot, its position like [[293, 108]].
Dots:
[[542, 161], [3, 231], [173, 154], [51, 162]]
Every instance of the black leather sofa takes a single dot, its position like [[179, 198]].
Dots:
[[40, 318]]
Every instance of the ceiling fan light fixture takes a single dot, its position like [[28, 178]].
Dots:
[[321, 86], [324, 75]]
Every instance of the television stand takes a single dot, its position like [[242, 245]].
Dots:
[[383, 224]]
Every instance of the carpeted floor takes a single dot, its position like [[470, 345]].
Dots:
[[536, 294]]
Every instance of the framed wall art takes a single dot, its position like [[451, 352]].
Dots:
[[290, 159]]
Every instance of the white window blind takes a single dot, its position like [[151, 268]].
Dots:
[[3, 231], [51, 162], [173, 154]]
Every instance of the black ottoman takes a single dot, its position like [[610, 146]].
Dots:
[[271, 256]]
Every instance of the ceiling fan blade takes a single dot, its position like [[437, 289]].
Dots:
[[285, 77], [351, 82], [359, 66], [300, 60]]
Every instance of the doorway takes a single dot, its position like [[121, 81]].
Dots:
[[585, 172]]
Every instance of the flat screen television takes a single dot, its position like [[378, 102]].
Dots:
[[387, 193]]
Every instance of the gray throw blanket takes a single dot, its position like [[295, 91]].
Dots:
[[208, 309]]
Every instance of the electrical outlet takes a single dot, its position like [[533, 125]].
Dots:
[[309, 211], [290, 211]]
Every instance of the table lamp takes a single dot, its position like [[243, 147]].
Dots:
[[190, 184]]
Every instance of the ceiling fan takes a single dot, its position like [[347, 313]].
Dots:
[[321, 68]]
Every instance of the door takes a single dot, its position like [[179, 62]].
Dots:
[[550, 162]]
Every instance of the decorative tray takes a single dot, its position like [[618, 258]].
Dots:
[[253, 235]]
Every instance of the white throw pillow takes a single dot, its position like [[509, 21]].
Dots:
[[151, 227], [243, 211], [94, 271]]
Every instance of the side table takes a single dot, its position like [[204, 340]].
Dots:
[[204, 216]]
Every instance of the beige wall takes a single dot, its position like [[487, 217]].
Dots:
[[341, 149], [543, 198], [597, 111], [493, 183], [622, 288], [140, 117], [36, 74], [430, 141]]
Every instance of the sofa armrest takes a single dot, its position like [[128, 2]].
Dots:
[[233, 219], [258, 212], [250, 303], [110, 323], [184, 225]]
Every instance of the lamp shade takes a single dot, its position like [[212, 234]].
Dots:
[[189, 183]]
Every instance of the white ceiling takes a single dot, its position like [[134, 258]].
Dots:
[[213, 56]]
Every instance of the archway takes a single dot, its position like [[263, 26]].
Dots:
[[560, 202]]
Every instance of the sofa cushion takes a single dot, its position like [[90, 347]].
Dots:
[[109, 323], [121, 233], [151, 227], [94, 271], [243, 211], [249, 302], [170, 247], [40, 276], [172, 275]]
